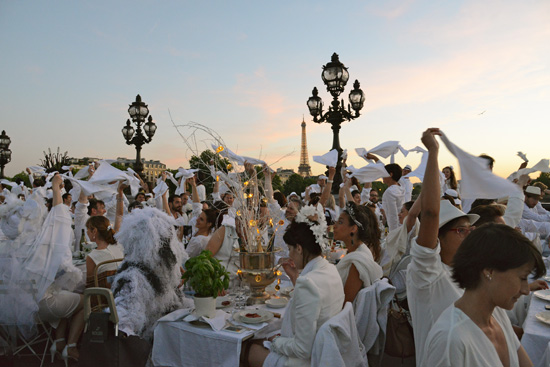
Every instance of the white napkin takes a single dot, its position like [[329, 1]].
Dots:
[[329, 159], [161, 188], [175, 315], [37, 169], [369, 173], [237, 158], [477, 179], [217, 322], [523, 156]]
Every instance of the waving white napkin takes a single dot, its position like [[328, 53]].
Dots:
[[329, 159], [523, 156], [478, 182], [105, 174], [237, 158], [369, 173], [82, 173], [37, 169], [542, 166], [184, 174], [421, 169], [160, 188]]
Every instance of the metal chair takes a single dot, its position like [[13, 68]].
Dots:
[[101, 280]]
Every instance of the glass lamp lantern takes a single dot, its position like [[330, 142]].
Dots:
[[335, 76], [128, 131], [150, 127], [138, 110], [5, 140], [356, 97], [315, 103]]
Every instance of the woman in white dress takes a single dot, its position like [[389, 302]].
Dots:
[[318, 295], [99, 231], [358, 228], [492, 266], [203, 221]]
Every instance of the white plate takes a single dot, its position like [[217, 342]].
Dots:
[[276, 302], [543, 294], [544, 316], [220, 300], [264, 316], [286, 291]]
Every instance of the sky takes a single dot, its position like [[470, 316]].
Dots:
[[479, 70]]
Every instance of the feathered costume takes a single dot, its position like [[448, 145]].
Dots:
[[146, 285]]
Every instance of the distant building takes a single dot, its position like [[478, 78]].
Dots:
[[284, 173], [151, 169]]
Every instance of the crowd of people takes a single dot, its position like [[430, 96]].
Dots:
[[462, 265]]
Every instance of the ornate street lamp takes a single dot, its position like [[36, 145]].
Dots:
[[138, 112], [335, 76], [5, 152]]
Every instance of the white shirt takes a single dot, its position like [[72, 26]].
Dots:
[[196, 245], [532, 214], [407, 186], [392, 201], [110, 253], [455, 340], [430, 290]]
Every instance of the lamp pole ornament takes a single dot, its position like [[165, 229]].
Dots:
[[335, 76], [5, 152], [138, 112]]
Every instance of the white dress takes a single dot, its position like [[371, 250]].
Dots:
[[318, 295], [455, 340], [369, 270], [228, 257]]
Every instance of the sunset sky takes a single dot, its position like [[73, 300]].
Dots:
[[479, 70]]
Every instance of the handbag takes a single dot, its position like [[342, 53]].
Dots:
[[399, 332], [103, 345]]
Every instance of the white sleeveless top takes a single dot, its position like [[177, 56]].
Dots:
[[110, 253]]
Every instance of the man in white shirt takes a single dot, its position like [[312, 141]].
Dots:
[[394, 196], [406, 183]]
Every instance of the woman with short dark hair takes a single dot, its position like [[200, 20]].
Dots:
[[492, 266]]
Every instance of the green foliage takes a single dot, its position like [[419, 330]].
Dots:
[[203, 161], [297, 184], [380, 187], [206, 275], [23, 176], [277, 183]]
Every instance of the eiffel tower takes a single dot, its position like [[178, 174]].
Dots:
[[304, 169]]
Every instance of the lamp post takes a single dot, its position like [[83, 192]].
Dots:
[[335, 76], [5, 152], [138, 112]]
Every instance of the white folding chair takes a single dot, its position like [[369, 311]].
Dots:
[[337, 343], [371, 317]]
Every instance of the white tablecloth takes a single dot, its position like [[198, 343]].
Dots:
[[178, 343], [545, 360], [536, 334]]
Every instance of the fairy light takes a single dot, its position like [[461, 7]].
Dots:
[[281, 222], [220, 149], [252, 223], [238, 213], [229, 166], [217, 178], [250, 195], [245, 183]]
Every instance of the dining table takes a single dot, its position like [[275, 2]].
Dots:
[[181, 340], [536, 328]]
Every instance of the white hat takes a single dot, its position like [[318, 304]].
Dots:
[[408, 166], [449, 212], [292, 194], [533, 190], [322, 177]]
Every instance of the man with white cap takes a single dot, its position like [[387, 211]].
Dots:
[[406, 183], [531, 220], [430, 288]]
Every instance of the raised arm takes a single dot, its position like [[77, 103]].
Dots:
[[268, 184], [430, 199], [57, 181], [194, 192], [328, 187], [413, 213]]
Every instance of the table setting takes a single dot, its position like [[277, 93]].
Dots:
[[536, 328]]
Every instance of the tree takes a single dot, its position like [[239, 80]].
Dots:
[[277, 183], [295, 183], [203, 161], [24, 177], [54, 161]]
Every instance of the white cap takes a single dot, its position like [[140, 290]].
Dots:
[[408, 166]]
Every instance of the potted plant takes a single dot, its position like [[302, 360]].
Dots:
[[208, 277]]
